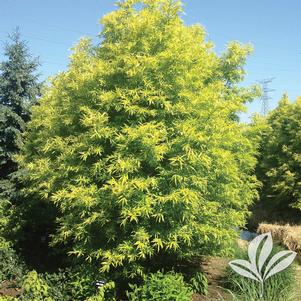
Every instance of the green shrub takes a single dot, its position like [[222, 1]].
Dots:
[[138, 144], [35, 288], [163, 287], [59, 287], [71, 284], [199, 283], [82, 281], [78, 282], [279, 287], [279, 165], [11, 266], [105, 293]]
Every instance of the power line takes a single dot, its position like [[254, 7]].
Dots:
[[61, 64], [40, 39], [36, 21]]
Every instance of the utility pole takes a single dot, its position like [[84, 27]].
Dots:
[[265, 95]]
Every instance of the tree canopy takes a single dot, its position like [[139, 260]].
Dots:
[[279, 164], [138, 144]]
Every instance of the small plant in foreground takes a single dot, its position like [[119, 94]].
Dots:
[[11, 267], [59, 285], [163, 287], [199, 283], [105, 292], [35, 288]]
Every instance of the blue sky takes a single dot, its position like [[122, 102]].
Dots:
[[273, 27]]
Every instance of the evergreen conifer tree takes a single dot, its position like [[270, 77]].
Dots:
[[19, 89]]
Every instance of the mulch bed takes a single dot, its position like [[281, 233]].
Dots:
[[9, 288]]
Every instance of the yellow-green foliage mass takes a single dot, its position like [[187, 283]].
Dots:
[[138, 143], [280, 161]]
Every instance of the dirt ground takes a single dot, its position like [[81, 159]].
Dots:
[[214, 268], [9, 289]]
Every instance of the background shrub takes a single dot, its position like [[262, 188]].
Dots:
[[59, 287], [279, 162]]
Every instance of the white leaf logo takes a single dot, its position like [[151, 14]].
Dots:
[[288, 256], [237, 265], [253, 269]]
